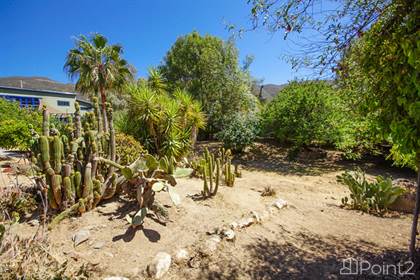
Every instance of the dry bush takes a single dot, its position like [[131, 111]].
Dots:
[[268, 191], [31, 258]]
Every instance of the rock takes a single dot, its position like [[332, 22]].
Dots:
[[116, 278], [256, 216], [234, 225], [98, 245], [280, 203], [34, 223], [80, 236], [160, 265], [229, 235], [245, 222], [111, 255], [181, 256], [210, 245]]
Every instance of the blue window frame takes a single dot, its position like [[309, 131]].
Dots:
[[63, 103], [24, 101]]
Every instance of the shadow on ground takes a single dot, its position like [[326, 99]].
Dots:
[[269, 156], [305, 256]]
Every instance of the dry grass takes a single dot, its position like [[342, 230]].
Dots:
[[31, 258]]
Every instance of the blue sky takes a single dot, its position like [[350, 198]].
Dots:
[[36, 35]]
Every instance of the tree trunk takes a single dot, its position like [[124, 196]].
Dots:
[[193, 136], [413, 253], [104, 114]]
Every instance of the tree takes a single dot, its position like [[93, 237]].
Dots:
[[385, 64], [319, 30], [98, 67], [208, 69], [166, 124], [381, 39]]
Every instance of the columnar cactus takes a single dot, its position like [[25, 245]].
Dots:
[[213, 170], [79, 169]]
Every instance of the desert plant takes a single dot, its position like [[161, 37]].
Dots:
[[166, 125], [79, 170], [371, 197], [128, 149], [212, 168], [268, 191]]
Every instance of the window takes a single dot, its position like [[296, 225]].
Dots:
[[63, 103], [24, 101]]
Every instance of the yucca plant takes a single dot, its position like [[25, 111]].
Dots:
[[166, 125], [371, 197]]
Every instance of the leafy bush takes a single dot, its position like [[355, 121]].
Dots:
[[239, 132], [15, 125], [128, 149], [371, 197], [303, 113]]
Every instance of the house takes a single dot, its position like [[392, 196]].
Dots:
[[57, 102]]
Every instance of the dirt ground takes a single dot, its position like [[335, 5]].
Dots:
[[307, 240]]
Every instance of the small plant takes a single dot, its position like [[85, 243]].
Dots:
[[212, 169], [268, 191], [370, 197]]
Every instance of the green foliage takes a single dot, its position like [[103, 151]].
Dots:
[[208, 68], [128, 149], [16, 125], [165, 125], [383, 70], [239, 132], [303, 113], [371, 197]]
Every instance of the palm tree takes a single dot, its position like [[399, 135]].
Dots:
[[98, 67]]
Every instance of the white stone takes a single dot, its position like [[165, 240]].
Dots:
[[256, 216], [245, 222], [34, 222], [280, 203], [181, 256], [160, 265], [80, 236], [229, 235], [98, 245]]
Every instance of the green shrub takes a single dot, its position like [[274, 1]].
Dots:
[[128, 149], [371, 197], [303, 113], [15, 125], [167, 125], [239, 132]]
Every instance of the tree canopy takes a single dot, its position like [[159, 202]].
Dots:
[[208, 68]]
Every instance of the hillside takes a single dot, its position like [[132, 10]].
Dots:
[[269, 91], [36, 83]]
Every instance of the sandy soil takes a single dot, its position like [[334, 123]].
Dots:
[[307, 240]]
